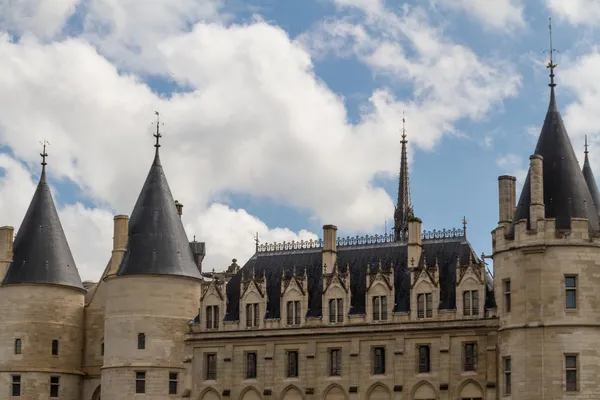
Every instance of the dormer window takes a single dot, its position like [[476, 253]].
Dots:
[[252, 315], [379, 308], [425, 305], [293, 312], [471, 303], [336, 310], [212, 317]]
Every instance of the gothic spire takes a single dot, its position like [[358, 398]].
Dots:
[[41, 251], [590, 179], [403, 211]]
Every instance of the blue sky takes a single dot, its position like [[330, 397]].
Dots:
[[285, 115]]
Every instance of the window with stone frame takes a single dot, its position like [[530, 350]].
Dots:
[[469, 356], [507, 375], [378, 361], [252, 315], [212, 317], [571, 291], [335, 362], [424, 358], [336, 310], [54, 386], [379, 304], [292, 364], [571, 375], [55, 347], [16, 385], [18, 346], [507, 302], [471, 303], [424, 305], [140, 382], [251, 365], [293, 313], [210, 364], [141, 341], [173, 382]]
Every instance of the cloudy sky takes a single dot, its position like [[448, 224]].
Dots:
[[283, 115]]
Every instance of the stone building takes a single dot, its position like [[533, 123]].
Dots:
[[410, 315]]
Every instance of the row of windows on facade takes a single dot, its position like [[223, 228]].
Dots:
[[571, 374], [469, 361], [17, 386], [19, 347], [570, 293], [336, 310]]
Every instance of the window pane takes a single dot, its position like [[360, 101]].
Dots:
[[248, 315], [297, 312], [332, 312], [429, 306], [475, 302], [571, 298], [571, 380], [290, 313], [466, 303], [17, 346], [141, 341], [571, 281], [423, 359], [256, 315], [340, 310], [55, 347], [216, 317], [173, 380], [209, 317], [375, 308], [140, 382], [421, 306], [571, 361], [16, 385], [251, 366], [384, 308]]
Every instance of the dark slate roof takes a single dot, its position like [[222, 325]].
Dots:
[[566, 194], [591, 182], [41, 253], [277, 263], [157, 243]]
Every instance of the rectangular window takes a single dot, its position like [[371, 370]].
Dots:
[[54, 386], [571, 372], [471, 303], [335, 362], [507, 295], [293, 312], [507, 376], [55, 347], [292, 364], [297, 312], [16, 385], [141, 341], [209, 315], [378, 361], [212, 317], [249, 316], [424, 305], [211, 367], [173, 381], [18, 344], [336, 310], [424, 360], [256, 315], [571, 291], [252, 315], [251, 366], [379, 308], [470, 357], [102, 348], [140, 381]]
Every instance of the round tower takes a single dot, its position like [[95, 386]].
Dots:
[[41, 307], [546, 253], [151, 299]]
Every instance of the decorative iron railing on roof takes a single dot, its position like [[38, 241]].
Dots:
[[357, 240], [443, 234]]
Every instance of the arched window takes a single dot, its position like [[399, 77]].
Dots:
[[18, 346]]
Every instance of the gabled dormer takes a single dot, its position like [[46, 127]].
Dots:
[[212, 303], [380, 292], [470, 288], [336, 294], [253, 300], [294, 297], [425, 291]]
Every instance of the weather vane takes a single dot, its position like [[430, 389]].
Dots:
[[158, 135], [552, 50], [44, 143]]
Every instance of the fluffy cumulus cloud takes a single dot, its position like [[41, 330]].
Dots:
[[255, 119], [41, 17], [584, 12], [498, 14]]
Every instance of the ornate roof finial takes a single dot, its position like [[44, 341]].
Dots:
[[157, 135], [551, 64], [586, 146], [44, 143], [464, 223], [403, 209], [256, 242]]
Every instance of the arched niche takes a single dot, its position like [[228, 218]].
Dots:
[[470, 390], [424, 391], [97, 393], [292, 393], [209, 394], [250, 394], [334, 392], [378, 392]]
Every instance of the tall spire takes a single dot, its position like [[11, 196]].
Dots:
[[157, 242], [590, 179], [41, 251], [403, 211], [551, 64]]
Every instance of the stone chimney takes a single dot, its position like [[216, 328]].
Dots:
[[536, 179], [7, 234], [507, 197], [329, 247], [179, 207], [120, 235], [415, 245]]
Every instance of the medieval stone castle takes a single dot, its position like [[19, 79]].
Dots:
[[412, 315]]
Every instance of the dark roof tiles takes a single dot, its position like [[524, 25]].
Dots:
[[591, 182]]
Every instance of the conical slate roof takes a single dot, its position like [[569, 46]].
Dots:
[[591, 181], [157, 243], [41, 253], [566, 193]]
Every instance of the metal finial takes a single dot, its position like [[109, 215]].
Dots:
[[256, 241], [157, 135], [552, 50], [464, 223], [44, 143], [586, 145], [403, 127]]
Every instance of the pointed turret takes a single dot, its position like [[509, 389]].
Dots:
[[565, 191], [157, 243], [41, 253], [590, 179], [403, 211]]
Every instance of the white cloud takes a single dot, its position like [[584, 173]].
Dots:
[[497, 14], [40, 17], [513, 165], [585, 12]]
